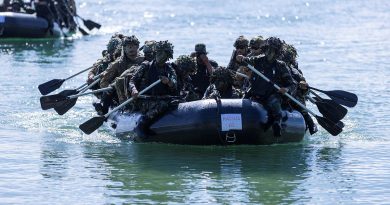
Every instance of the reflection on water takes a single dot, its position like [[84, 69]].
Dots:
[[167, 173], [23, 49], [158, 173]]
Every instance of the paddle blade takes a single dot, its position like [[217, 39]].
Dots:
[[330, 109], [91, 24], [92, 124], [343, 97], [340, 124], [64, 106], [51, 101], [83, 32], [50, 86], [333, 128]]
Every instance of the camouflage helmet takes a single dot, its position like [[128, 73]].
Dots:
[[200, 48], [149, 46], [222, 74], [241, 42], [130, 40], [256, 42], [113, 44], [186, 63], [289, 53], [165, 46], [274, 42]]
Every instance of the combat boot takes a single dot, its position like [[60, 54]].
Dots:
[[277, 129], [310, 124], [98, 108]]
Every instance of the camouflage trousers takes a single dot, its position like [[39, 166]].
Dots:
[[273, 105], [152, 109], [121, 84]]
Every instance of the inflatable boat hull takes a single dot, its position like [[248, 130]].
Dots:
[[211, 122], [20, 25]]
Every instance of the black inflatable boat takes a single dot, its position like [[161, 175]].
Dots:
[[21, 25], [213, 122]]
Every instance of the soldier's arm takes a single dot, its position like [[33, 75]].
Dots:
[[207, 93], [287, 80], [136, 79], [173, 80], [109, 74]]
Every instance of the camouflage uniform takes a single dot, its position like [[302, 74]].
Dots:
[[221, 77], [255, 46], [241, 48], [146, 74], [123, 80], [184, 67], [116, 68], [149, 49], [264, 92], [241, 44], [201, 79], [108, 56], [289, 57]]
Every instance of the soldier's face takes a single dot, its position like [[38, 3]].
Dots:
[[161, 57], [241, 51], [131, 50]]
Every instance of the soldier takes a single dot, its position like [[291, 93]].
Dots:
[[146, 74], [185, 67], [277, 71], [113, 48], [149, 49], [255, 46], [205, 67], [129, 57], [221, 85], [241, 48], [289, 56]]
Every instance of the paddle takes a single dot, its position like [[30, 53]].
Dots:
[[64, 106], [52, 85], [94, 123], [329, 108], [58, 101], [49, 101], [82, 31], [89, 24], [340, 96], [327, 124]]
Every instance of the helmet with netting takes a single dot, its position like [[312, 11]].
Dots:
[[149, 46], [222, 74], [256, 42], [289, 53], [241, 42], [113, 44], [130, 40], [165, 46], [275, 43], [186, 63]]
